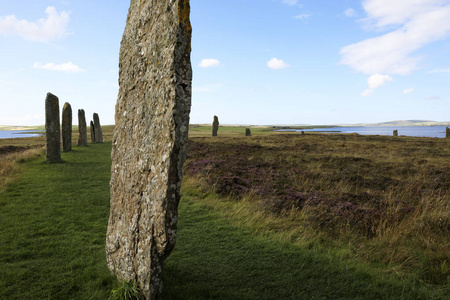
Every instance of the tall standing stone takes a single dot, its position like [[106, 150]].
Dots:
[[447, 133], [82, 132], [67, 127], [52, 129], [215, 126], [92, 132], [248, 132], [149, 141], [395, 132], [98, 129]]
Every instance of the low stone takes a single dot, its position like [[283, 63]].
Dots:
[[82, 132], [248, 132], [67, 127], [52, 129], [215, 126]]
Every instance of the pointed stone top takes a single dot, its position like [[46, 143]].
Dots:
[[52, 98]]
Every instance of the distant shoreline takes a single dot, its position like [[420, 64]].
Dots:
[[275, 126], [18, 128]]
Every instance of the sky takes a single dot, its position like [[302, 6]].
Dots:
[[258, 62]]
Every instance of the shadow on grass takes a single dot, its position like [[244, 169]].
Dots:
[[215, 260]]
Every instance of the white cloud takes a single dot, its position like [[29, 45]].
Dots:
[[277, 64], [386, 12], [433, 98], [43, 30], [302, 16], [407, 91], [368, 92], [417, 24], [209, 63], [350, 13], [65, 67], [378, 80], [374, 82]]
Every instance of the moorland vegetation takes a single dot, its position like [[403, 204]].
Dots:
[[272, 216], [386, 199]]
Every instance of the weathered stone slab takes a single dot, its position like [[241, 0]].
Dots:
[[82, 131], [92, 132], [395, 132], [98, 129], [215, 126], [67, 127], [52, 129], [248, 132], [149, 141], [447, 133]]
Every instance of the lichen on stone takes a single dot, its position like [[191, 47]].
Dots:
[[149, 140]]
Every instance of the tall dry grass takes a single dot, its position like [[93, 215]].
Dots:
[[11, 158], [383, 199]]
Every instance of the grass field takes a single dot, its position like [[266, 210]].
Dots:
[[384, 200], [272, 216], [52, 228]]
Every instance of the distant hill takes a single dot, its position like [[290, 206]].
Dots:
[[404, 123], [10, 128], [407, 123]]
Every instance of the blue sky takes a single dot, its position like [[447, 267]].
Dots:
[[254, 61]]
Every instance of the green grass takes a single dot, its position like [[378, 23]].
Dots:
[[382, 200], [204, 130], [214, 259], [52, 228], [53, 220], [126, 290]]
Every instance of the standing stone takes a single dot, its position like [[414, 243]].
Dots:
[[82, 132], [149, 141], [395, 132], [67, 127], [52, 129], [447, 133], [92, 132], [98, 129], [215, 126], [248, 132]]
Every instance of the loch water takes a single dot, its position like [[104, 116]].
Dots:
[[14, 134], [416, 131]]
